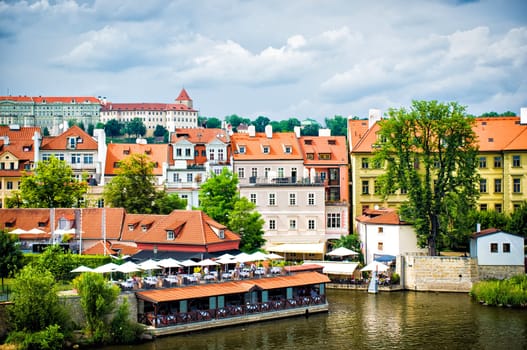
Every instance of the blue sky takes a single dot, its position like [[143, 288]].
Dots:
[[280, 59]]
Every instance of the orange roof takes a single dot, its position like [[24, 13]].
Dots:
[[60, 142], [334, 145], [232, 287], [62, 99], [157, 153], [191, 227], [16, 98], [100, 249], [199, 135], [277, 144], [386, 216], [357, 128], [369, 137]]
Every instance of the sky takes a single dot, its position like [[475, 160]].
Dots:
[[280, 59]]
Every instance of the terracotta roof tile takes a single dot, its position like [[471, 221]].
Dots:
[[277, 144], [334, 145], [60, 142], [157, 153], [200, 135], [183, 96]]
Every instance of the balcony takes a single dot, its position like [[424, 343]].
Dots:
[[282, 181]]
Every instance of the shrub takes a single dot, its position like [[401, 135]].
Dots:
[[395, 279], [511, 292], [122, 330], [50, 338]]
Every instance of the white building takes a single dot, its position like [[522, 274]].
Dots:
[[384, 235]]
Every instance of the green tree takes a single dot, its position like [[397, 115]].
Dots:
[[248, 223], [212, 123], [236, 120], [113, 128], [51, 185], [45, 131], [90, 129], [35, 301], [351, 241], [518, 221], [311, 129], [11, 258], [98, 300], [218, 195], [160, 131], [135, 128], [58, 262], [338, 125], [260, 123], [430, 152], [134, 186], [166, 203]]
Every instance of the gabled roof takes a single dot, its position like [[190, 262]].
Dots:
[[83, 140], [501, 133], [111, 106], [65, 99], [191, 227], [334, 145], [17, 98], [357, 128], [491, 231], [200, 135], [100, 248], [381, 217], [157, 153], [18, 143], [254, 146]]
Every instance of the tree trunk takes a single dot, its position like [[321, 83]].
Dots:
[[432, 240]]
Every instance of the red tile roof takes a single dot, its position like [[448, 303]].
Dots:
[[253, 146], [232, 287], [50, 99], [183, 96], [485, 232], [199, 135], [157, 153], [386, 216], [19, 144], [334, 145], [60, 142], [100, 249], [110, 106]]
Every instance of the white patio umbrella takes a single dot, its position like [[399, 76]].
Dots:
[[375, 266], [243, 257], [274, 256], [342, 251], [189, 263], [128, 267], [226, 255], [169, 263], [110, 267], [82, 268], [207, 262], [149, 265], [259, 256]]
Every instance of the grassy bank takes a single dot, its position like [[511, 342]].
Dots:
[[511, 292]]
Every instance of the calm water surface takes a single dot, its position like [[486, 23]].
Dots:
[[358, 320]]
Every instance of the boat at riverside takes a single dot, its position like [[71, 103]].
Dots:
[[198, 307]]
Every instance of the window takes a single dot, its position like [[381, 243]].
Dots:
[[516, 161], [365, 163], [494, 247], [280, 172], [211, 155], [311, 224], [265, 149], [287, 149], [189, 177], [333, 220], [292, 198], [188, 152], [252, 197], [242, 149], [310, 156], [254, 172], [272, 199], [176, 177], [88, 159], [292, 224], [266, 172], [75, 158], [498, 208], [365, 187], [483, 207], [516, 185], [324, 156], [483, 185], [46, 156], [403, 191], [9, 185], [170, 235], [506, 247], [380, 246], [241, 173], [221, 155], [310, 199], [376, 188], [482, 162], [497, 162], [272, 224], [380, 229], [497, 185]]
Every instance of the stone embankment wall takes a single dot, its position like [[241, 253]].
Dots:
[[499, 272], [72, 303], [438, 273]]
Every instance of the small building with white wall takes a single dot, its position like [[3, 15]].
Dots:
[[499, 254]]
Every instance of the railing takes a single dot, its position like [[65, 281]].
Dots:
[[282, 181], [174, 319]]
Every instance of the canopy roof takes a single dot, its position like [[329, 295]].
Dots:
[[309, 248]]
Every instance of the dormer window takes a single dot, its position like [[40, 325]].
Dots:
[[287, 149], [72, 142], [170, 235], [144, 228], [131, 227], [332, 142], [310, 156], [241, 149], [265, 149], [308, 142], [221, 233]]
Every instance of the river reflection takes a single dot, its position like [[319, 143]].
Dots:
[[358, 320]]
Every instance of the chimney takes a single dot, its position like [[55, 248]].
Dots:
[[324, 132], [523, 116], [297, 131], [251, 130], [374, 115], [478, 227], [269, 131]]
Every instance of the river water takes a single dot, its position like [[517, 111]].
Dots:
[[358, 320]]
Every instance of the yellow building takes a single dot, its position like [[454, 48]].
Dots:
[[502, 163]]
